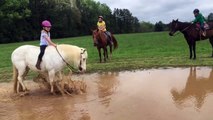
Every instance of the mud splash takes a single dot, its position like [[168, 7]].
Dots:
[[155, 94]]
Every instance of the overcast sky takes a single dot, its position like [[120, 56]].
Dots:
[[162, 10]]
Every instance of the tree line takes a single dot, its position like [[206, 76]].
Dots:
[[20, 20]]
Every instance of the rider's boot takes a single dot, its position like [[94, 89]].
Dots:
[[38, 64]]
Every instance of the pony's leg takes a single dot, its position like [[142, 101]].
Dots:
[[211, 41], [25, 74], [20, 80], [51, 79], [60, 76]]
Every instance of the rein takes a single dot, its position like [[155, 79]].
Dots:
[[183, 29], [70, 67]]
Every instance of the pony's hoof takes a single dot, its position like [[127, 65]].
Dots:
[[22, 94], [52, 93]]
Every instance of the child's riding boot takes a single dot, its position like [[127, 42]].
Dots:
[[38, 64]]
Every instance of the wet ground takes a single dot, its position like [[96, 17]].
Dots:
[[154, 94]]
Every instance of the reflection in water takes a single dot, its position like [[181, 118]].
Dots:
[[138, 95], [197, 87], [107, 85]]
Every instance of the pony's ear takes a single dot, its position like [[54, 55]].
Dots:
[[83, 50], [177, 20]]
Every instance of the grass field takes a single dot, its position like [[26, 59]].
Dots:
[[135, 51]]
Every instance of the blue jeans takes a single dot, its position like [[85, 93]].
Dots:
[[202, 26], [42, 50]]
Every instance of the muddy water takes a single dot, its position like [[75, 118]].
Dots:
[[155, 94]]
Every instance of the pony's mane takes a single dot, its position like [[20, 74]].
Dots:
[[71, 52]]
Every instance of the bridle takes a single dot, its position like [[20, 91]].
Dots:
[[82, 52]]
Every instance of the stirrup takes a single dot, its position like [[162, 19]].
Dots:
[[204, 33], [111, 42]]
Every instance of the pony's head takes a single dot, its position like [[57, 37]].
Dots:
[[173, 27], [73, 56], [83, 60]]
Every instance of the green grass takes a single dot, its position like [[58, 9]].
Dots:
[[135, 51]]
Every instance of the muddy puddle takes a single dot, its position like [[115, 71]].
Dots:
[[154, 94]]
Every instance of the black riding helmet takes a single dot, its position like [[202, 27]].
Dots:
[[196, 11]]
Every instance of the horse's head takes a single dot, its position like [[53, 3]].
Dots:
[[95, 36], [173, 27], [83, 60]]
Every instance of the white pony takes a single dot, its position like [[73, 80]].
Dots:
[[53, 61]]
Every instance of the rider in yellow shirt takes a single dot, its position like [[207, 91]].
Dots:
[[102, 26]]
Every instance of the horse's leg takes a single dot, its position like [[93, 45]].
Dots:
[[110, 48], [194, 49], [51, 79], [211, 41], [99, 52], [105, 53], [190, 50]]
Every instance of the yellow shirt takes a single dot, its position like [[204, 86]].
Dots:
[[101, 26]]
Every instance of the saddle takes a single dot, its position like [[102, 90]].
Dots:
[[205, 27], [109, 37]]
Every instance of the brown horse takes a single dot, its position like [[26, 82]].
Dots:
[[101, 40], [191, 34]]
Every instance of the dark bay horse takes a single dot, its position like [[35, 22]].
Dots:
[[100, 40], [191, 34]]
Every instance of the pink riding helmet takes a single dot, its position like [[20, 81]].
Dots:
[[46, 23]]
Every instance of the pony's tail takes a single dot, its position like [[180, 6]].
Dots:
[[15, 78], [115, 43]]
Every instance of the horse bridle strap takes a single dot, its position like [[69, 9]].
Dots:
[[72, 68], [81, 55], [186, 27], [183, 29]]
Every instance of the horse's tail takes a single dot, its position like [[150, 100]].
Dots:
[[115, 43], [15, 78]]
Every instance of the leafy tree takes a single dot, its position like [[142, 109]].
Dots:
[[210, 17], [12, 20], [159, 26], [125, 22], [20, 20], [146, 26]]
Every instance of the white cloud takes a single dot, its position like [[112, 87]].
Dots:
[[162, 10]]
